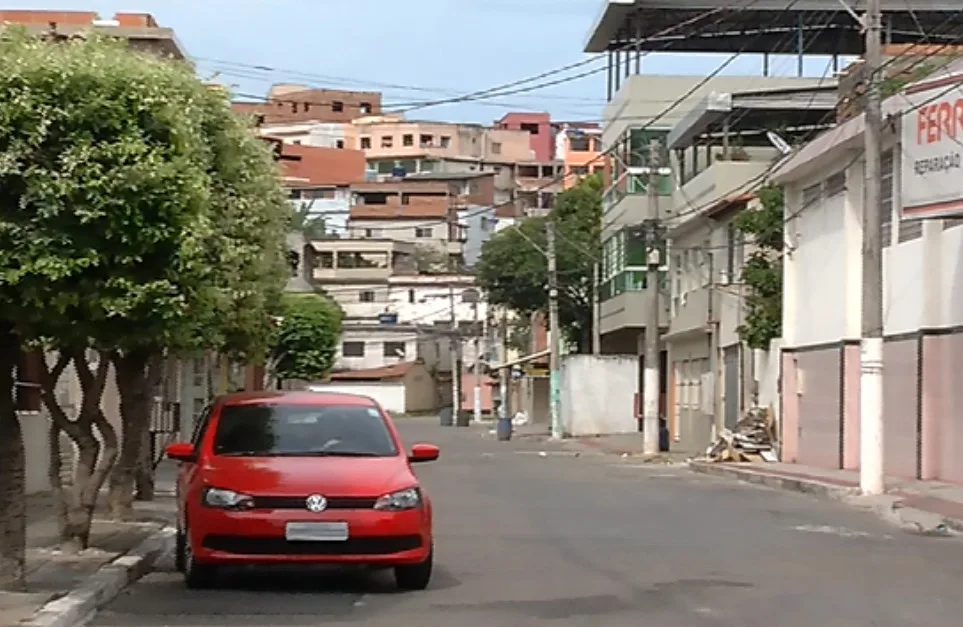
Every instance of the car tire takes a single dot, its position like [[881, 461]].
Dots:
[[180, 546], [196, 576], [415, 576]]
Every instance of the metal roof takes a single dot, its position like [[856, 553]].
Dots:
[[802, 105], [763, 26]]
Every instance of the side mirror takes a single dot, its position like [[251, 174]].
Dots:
[[181, 452], [423, 453]]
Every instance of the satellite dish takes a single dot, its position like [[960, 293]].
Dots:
[[778, 142]]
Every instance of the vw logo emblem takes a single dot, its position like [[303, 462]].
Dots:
[[316, 503]]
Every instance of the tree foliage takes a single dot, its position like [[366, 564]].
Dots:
[[513, 270], [762, 272], [307, 340], [141, 217]]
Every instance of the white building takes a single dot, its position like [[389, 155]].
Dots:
[[923, 288]]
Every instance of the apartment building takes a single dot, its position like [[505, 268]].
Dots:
[[423, 212], [722, 152], [643, 108], [540, 129], [578, 145], [319, 181], [922, 290], [140, 29], [292, 105]]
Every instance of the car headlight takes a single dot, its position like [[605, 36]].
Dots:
[[227, 499], [399, 501]]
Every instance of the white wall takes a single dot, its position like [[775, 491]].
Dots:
[[431, 303], [923, 281], [374, 341], [388, 394], [598, 394]]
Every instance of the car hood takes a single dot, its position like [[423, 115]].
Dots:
[[294, 476]]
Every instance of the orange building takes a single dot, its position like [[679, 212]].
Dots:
[[579, 147]]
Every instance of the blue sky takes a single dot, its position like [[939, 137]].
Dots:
[[449, 47]]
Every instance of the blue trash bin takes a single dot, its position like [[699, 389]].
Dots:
[[503, 430]]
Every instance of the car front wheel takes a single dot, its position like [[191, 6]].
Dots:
[[415, 576], [196, 576]]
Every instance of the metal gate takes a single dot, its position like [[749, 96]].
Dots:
[[730, 362], [165, 427]]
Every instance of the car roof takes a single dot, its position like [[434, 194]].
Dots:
[[298, 397]]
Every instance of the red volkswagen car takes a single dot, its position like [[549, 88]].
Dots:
[[303, 478]]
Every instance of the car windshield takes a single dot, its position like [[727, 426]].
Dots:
[[273, 430]]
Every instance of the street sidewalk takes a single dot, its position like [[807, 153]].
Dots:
[[64, 589], [927, 506]]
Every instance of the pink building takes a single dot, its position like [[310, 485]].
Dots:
[[539, 127]]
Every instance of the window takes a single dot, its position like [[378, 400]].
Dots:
[[407, 139], [496, 148], [530, 127], [366, 296], [579, 170], [365, 143], [348, 259], [200, 426], [445, 141], [423, 231], [352, 349], [394, 349], [579, 143], [339, 143], [596, 144], [886, 199], [325, 259], [387, 141], [426, 141], [296, 142], [836, 184], [411, 296], [261, 430], [624, 263], [365, 108], [598, 169], [337, 106], [372, 233]]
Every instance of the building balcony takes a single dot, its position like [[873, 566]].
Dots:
[[359, 260], [692, 311], [721, 181], [628, 309]]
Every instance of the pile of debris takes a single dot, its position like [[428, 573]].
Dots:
[[752, 439]]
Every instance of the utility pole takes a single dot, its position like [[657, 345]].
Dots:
[[476, 400], [596, 335], [553, 364], [871, 354], [651, 387], [455, 348], [504, 408]]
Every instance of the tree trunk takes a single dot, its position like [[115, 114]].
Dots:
[[136, 373], [95, 457], [13, 510]]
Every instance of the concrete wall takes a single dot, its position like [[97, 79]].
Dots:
[[598, 394], [923, 324], [389, 394]]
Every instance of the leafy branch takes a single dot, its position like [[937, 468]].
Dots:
[[762, 272]]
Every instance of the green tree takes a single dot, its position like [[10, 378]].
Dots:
[[513, 268], [762, 272], [141, 218], [307, 339]]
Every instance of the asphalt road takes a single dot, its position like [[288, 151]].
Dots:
[[524, 539]]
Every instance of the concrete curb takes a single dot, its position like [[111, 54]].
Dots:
[[792, 484], [78, 607], [889, 507]]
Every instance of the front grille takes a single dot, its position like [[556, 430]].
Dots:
[[250, 545], [298, 502]]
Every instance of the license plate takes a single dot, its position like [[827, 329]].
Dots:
[[316, 531]]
